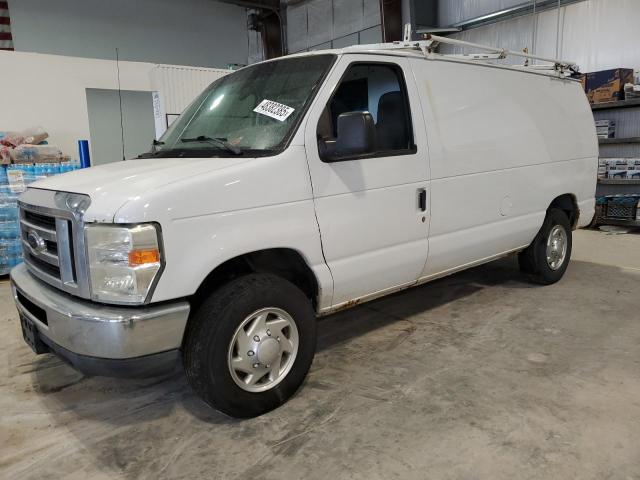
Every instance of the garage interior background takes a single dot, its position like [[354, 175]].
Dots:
[[64, 58]]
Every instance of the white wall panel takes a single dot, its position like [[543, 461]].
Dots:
[[596, 34], [186, 32], [454, 11], [50, 90], [179, 85]]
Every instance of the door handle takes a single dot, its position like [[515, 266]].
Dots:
[[422, 199]]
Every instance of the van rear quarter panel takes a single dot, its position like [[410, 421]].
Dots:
[[502, 145]]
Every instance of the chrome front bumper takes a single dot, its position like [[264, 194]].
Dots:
[[87, 329]]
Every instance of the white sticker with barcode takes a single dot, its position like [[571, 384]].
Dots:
[[274, 110], [16, 181]]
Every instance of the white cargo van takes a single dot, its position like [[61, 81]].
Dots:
[[294, 188]]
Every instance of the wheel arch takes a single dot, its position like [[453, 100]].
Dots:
[[284, 262], [568, 203]]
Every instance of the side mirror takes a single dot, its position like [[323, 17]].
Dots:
[[356, 136]]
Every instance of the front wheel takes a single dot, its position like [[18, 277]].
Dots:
[[547, 258], [250, 345]]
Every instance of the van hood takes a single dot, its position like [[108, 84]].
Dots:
[[113, 184]]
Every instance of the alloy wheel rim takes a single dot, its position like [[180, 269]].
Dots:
[[263, 349], [556, 247]]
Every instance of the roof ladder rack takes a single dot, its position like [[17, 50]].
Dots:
[[431, 42], [501, 53]]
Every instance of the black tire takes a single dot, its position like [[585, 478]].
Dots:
[[533, 259], [212, 327]]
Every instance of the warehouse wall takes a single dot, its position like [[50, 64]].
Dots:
[[186, 32], [596, 34], [320, 24], [51, 91], [454, 11]]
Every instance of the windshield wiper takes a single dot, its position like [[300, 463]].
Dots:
[[216, 141]]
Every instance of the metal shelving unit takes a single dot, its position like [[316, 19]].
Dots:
[[615, 181], [626, 114], [634, 102], [614, 141]]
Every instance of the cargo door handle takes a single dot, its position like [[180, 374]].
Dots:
[[422, 199]]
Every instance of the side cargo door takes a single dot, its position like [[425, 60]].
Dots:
[[373, 206]]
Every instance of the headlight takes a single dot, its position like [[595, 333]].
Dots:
[[123, 262]]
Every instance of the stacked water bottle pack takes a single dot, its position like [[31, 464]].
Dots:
[[13, 181]]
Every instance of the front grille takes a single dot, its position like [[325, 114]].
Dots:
[[53, 242], [52, 270], [620, 211], [40, 241], [44, 221]]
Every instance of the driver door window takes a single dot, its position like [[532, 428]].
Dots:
[[376, 89]]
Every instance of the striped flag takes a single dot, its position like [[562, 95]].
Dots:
[[6, 40]]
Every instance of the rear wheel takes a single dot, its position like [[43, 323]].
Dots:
[[250, 345], [547, 258]]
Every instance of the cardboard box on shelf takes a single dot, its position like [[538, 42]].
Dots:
[[607, 85]]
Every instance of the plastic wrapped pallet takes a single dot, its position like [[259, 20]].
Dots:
[[27, 153], [10, 248], [14, 180]]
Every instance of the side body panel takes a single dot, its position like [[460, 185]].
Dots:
[[373, 232], [253, 205], [503, 144]]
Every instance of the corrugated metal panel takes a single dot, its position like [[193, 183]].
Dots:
[[178, 86], [454, 11], [596, 34], [627, 120], [336, 23], [620, 150]]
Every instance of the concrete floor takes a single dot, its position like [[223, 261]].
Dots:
[[479, 375]]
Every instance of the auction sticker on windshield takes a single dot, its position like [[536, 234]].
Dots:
[[274, 110]]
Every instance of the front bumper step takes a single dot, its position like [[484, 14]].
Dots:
[[76, 328]]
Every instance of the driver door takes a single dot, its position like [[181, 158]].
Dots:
[[372, 209]]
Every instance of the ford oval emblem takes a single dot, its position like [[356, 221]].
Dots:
[[36, 242]]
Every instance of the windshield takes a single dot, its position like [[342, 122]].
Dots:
[[251, 111]]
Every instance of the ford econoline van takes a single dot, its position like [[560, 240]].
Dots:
[[294, 188]]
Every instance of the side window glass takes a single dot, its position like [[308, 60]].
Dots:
[[375, 95]]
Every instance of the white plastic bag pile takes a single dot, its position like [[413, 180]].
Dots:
[[28, 146]]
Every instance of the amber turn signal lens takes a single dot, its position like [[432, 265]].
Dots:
[[143, 257]]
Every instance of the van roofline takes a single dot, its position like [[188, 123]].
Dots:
[[425, 49], [417, 54]]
